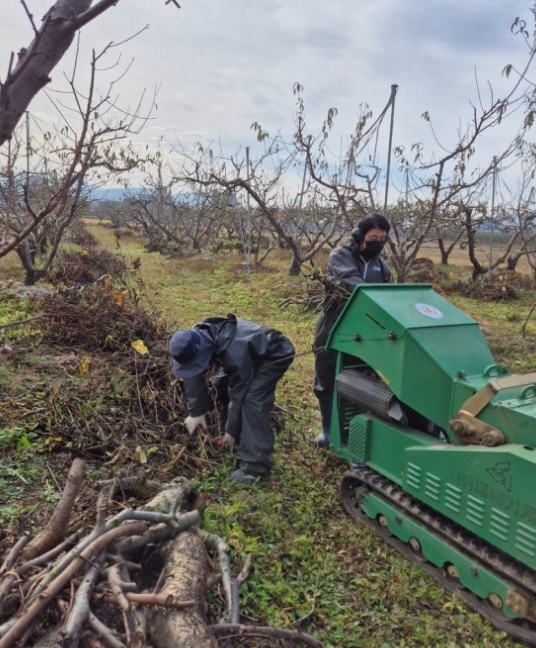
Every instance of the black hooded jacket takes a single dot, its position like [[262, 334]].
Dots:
[[241, 348], [344, 271]]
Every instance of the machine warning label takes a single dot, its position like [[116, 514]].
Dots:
[[494, 495], [429, 311]]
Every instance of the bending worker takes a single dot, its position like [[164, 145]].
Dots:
[[356, 261], [254, 358]]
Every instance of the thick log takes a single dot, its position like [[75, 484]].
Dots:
[[184, 578], [172, 498]]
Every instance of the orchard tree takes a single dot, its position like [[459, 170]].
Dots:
[[253, 182], [174, 222], [38, 209], [29, 71], [448, 231], [327, 186], [452, 185], [410, 229], [519, 217], [440, 186], [348, 183]]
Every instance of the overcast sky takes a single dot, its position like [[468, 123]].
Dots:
[[220, 66]]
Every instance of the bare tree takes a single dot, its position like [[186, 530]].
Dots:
[[39, 209], [520, 216], [441, 184], [348, 182], [451, 183], [412, 227], [206, 171], [173, 222], [31, 72], [337, 191]]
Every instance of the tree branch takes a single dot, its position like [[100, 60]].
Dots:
[[36, 62]]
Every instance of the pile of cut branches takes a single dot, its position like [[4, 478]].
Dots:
[[99, 363], [97, 317], [138, 578], [86, 266]]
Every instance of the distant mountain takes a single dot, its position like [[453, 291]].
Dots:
[[116, 194]]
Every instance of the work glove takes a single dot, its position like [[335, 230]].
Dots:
[[226, 439], [194, 422]]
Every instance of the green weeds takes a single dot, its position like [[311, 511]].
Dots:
[[20, 470]]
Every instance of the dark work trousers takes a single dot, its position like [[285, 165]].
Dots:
[[257, 436], [325, 363]]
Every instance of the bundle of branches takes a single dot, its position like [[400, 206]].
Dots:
[[494, 292], [78, 234], [312, 297], [97, 317], [86, 266], [138, 578], [424, 270]]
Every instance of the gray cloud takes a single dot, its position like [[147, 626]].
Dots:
[[221, 66]]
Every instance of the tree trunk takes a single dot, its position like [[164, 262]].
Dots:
[[444, 252], [512, 261], [295, 264]]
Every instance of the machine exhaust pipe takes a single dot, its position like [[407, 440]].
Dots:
[[370, 393]]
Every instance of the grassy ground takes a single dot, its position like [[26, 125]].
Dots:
[[314, 568]]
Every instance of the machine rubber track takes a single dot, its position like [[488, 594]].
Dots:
[[509, 570]]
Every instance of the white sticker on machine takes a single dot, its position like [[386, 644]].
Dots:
[[429, 311]]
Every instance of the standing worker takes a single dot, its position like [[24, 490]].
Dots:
[[356, 261], [253, 358]]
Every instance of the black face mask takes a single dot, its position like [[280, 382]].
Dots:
[[372, 249]]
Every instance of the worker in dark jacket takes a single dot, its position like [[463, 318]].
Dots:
[[356, 261], [254, 358]]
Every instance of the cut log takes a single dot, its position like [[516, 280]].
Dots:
[[184, 578], [173, 497]]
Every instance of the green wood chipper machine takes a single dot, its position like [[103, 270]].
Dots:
[[441, 442]]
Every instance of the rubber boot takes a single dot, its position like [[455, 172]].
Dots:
[[322, 439]]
